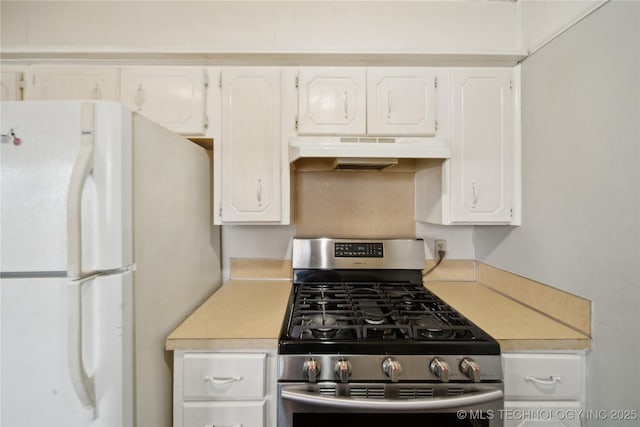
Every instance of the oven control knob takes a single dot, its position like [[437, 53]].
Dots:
[[342, 370], [391, 367], [440, 369], [470, 369], [311, 369]]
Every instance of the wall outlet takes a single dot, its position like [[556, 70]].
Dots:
[[439, 245]]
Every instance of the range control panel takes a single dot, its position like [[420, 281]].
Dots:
[[359, 250]]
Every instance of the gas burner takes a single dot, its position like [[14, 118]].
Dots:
[[323, 326], [373, 313], [436, 333], [386, 332]]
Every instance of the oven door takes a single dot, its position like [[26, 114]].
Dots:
[[383, 404]]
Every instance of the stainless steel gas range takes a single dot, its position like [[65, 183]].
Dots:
[[364, 341]]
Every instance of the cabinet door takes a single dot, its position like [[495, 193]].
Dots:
[[482, 145], [72, 83], [250, 150], [541, 414], [332, 101], [10, 86], [401, 101], [171, 96], [239, 414]]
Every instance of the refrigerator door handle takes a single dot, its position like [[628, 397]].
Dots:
[[79, 175], [82, 383]]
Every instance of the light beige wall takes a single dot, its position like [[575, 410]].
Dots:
[[258, 26]]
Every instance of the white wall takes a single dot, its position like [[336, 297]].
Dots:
[[255, 241], [274, 242], [581, 190]]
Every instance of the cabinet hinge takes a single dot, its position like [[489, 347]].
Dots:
[[436, 125], [220, 211], [206, 80], [296, 126], [205, 122], [297, 82], [435, 83], [220, 80], [511, 84]]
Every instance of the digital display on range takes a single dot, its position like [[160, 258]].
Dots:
[[359, 250]]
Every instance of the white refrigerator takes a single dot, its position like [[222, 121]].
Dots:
[[107, 244]]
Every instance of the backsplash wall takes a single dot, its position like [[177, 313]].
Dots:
[[354, 204]]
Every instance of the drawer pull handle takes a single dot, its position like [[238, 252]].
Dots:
[[544, 381], [225, 425], [222, 380]]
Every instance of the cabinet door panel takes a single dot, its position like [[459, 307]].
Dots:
[[171, 96], [482, 145], [10, 86], [332, 101], [245, 414], [74, 83], [251, 145], [401, 101], [541, 414]]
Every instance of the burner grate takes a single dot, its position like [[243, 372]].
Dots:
[[374, 311]]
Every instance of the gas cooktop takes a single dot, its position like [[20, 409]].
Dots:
[[372, 312]]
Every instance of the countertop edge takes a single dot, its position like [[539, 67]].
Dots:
[[221, 344], [567, 344]]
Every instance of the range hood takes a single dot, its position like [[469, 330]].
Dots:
[[366, 152]]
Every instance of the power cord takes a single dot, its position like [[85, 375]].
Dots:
[[441, 255]]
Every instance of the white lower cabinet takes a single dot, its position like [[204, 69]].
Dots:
[[224, 388], [543, 389]]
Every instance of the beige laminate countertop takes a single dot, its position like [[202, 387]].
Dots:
[[249, 314], [241, 314], [513, 324]]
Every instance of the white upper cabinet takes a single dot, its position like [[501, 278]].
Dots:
[[174, 97], [401, 101], [74, 83], [480, 183], [382, 101], [11, 86], [250, 147], [332, 101], [482, 158]]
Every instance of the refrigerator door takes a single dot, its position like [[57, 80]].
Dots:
[[40, 148], [36, 386]]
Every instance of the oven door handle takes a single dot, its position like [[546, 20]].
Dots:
[[429, 404]]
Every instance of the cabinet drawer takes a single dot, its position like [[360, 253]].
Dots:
[[245, 414], [543, 376], [231, 375]]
